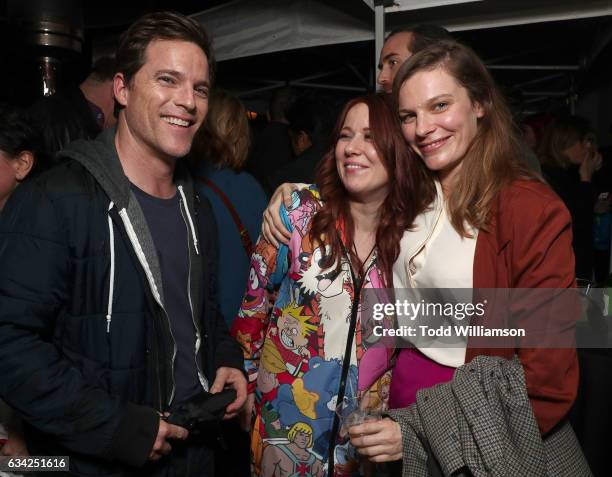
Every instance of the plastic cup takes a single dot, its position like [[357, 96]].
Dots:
[[350, 414]]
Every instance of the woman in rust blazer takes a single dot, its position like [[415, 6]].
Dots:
[[493, 224]]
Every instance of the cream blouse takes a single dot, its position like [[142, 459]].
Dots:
[[434, 255]]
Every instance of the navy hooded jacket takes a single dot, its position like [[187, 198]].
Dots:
[[86, 348]]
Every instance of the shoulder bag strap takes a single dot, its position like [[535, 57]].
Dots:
[[244, 233]]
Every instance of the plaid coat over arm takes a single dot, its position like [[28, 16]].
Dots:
[[481, 423]]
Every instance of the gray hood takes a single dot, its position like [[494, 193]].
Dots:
[[100, 158]]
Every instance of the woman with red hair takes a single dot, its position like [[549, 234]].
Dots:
[[304, 351]]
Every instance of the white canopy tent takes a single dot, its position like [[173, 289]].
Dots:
[[461, 15], [247, 27], [244, 29]]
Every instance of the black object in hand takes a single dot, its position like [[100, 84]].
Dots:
[[202, 409]]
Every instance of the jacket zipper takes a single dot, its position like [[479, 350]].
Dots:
[[358, 284], [145, 265], [156, 344], [203, 381]]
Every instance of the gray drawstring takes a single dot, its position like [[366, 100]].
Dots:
[[111, 280]]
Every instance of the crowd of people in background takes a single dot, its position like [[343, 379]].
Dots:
[[112, 269], [563, 148]]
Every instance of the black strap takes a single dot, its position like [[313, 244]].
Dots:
[[357, 284], [365, 261]]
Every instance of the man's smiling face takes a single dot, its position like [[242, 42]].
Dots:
[[167, 99]]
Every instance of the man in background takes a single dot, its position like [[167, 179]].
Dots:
[[309, 119], [400, 45], [272, 146]]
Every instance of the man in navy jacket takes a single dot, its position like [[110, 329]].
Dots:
[[108, 315]]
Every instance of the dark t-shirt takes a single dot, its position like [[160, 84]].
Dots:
[[170, 236]]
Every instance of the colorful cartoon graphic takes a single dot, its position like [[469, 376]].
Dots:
[[302, 209], [294, 346], [376, 397], [271, 422], [312, 399], [328, 288], [293, 459], [346, 460], [285, 348], [266, 380], [256, 290]]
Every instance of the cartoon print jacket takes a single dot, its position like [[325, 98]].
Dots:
[[295, 346]]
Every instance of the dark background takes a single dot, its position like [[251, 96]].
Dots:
[[583, 42]]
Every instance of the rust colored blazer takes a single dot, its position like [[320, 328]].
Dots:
[[529, 245]]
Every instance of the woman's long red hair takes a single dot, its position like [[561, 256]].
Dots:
[[411, 189]]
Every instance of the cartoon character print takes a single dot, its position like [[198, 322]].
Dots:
[[292, 457], [312, 399], [271, 422], [301, 260], [295, 353], [245, 340], [376, 397], [346, 460], [305, 204], [328, 288], [259, 287], [255, 295], [267, 383], [286, 346]]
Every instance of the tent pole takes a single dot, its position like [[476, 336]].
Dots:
[[379, 31]]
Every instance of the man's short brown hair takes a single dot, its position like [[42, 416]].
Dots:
[[130, 55]]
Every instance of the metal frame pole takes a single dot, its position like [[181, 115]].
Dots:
[[379, 31]]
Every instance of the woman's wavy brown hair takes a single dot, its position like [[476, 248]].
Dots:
[[225, 136], [410, 189], [493, 159]]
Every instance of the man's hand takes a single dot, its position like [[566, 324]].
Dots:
[[165, 432], [247, 412], [233, 378], [272, 227], [379, 441]]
